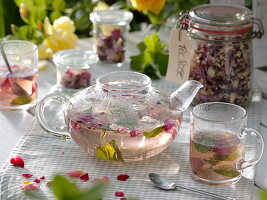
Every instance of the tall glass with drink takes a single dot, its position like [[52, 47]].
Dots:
[[18, 75]]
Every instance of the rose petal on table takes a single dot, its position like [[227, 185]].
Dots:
[[27, 175], [119, 194], [42, 178], [122, 177], [17, 161], [30, 186], [75, 173], [37, 180], [105, 179], [84, 177], [49, 183]]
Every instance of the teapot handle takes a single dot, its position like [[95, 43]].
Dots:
[[41, 118]]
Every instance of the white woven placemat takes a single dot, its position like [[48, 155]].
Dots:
[[43, 156]]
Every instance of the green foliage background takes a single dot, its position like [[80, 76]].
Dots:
[[79, 11]]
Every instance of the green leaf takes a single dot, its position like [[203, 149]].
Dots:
[[54, 15], [141, 46], [203, 145], [58, 5], [227, 170], [137, 62], [212, 161], [153, 57], [109, 152], [21, 100], [263, 194], [162, 62], [94, 193], [153, 133], [64, 189], [2, 20], [220, 157]]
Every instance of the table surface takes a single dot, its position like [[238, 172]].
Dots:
[[14, 123]]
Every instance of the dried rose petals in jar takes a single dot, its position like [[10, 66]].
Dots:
[[73, 68], [110, 28], [221, 55]]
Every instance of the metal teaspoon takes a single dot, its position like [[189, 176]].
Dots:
[[166, 184]]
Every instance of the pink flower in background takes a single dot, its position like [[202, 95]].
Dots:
[[17, 161]]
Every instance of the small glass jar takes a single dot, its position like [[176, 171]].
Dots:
[[109, 30], [73, 69], [221, 55]]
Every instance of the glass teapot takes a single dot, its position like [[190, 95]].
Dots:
[[122, 117]]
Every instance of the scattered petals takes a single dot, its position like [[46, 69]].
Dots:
[[42, 178], [75, 173], [27, 175], [119, 194], [122, 177], [37, 180], [105, 179], [17, 161], [84, 177], [30, 186], [49, 183], [26, 182]]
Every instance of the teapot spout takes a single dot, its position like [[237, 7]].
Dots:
[[184, 95]]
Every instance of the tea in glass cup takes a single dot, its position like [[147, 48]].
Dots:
[[217, 143], [18, 85]]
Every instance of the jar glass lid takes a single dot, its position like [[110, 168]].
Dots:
[[75, 58], [118, 17], [220, 14]]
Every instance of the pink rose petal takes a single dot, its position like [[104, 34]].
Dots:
[[122, 177], [119, 194], [49, 183], [84, 177], [30, 186], [37, 180], [17, 161], [75, 173], [105, 179], [42, 178], [27, 175]]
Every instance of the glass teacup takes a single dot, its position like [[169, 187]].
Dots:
[[217, 143], [18, 85]]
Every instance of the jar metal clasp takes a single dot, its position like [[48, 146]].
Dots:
[[260, 32]]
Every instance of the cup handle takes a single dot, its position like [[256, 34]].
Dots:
[[41, 118], [250, 131]]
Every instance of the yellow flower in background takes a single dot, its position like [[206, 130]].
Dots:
[[64, 23], [101, 6], [60, 36], [61, 39], [154, 6]]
